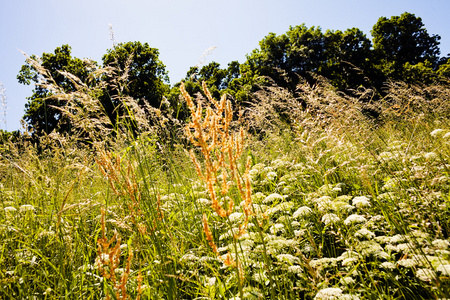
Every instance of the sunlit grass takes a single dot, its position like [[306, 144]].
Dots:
[[324, 204]]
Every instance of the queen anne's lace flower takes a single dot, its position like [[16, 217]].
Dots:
[[365, 233], [26, 207], [441, 244], [323, 203], [352, 219], [388, 265], [235, 216], [272, 198], [302, 212], [437, 132], [425, 274], [276, 228], [330, 218], [291, 259], [361, 201], [329, 294], [271, 176], [444, 269], [407, 263]]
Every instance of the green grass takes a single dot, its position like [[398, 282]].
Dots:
[[345, 208]]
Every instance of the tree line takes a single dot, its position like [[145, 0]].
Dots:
[[401, 50]]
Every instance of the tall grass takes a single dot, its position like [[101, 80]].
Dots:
[[288, 201]]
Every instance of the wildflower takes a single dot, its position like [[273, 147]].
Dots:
[[389, 185], [47, 291], [398, 238], [9, 212], [189, 256], [291, 259], [347, 280], [425, 274], [349, 261], [361, 201], [273, 197], [253, 173], [26, 208], [354, 219], [330, 218], [44, 234], [386, 156], [341, 205], [271, 176], [430, 155], [388, 265], [211, 281], [329, 294], [295, 269], [323, 203], [437, 132], [407, 263], [368, 247], [276, 228], [444, 269], [381, 255], [203, 201], [261, 277], [235, 216], [391, 248], [441, 244], [284, 206], [230, 233], [252, 293], [349, 254], [324, 262], [258, 197], [382, 239], [365, 233], [302, 212], [405, 247], [419, 234], [102, 259], [296, 224]]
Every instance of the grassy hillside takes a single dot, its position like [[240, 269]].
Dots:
[[282, 202]]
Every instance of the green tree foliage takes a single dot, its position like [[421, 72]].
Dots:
[[143, 78], [343, 57], [41, 113], [444, 68], [147, 78], [218, 80], [348, 58], [403, 40]]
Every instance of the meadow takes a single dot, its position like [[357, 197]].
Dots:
[[276, 201]]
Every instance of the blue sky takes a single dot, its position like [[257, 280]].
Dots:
[[181, 29]]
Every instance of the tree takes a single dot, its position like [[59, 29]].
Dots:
[[40, 112], [342, 57], [403, 39], [147, 79], [347, 56], [143, 78]]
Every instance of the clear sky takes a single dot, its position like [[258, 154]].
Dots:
[[181, 29]]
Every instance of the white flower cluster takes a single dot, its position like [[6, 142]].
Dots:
[[302, 212], [361, 202], [354, 218], [330, 218]]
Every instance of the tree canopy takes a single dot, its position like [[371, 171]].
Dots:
[[401, 49], [145, 81], [40, 112]]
